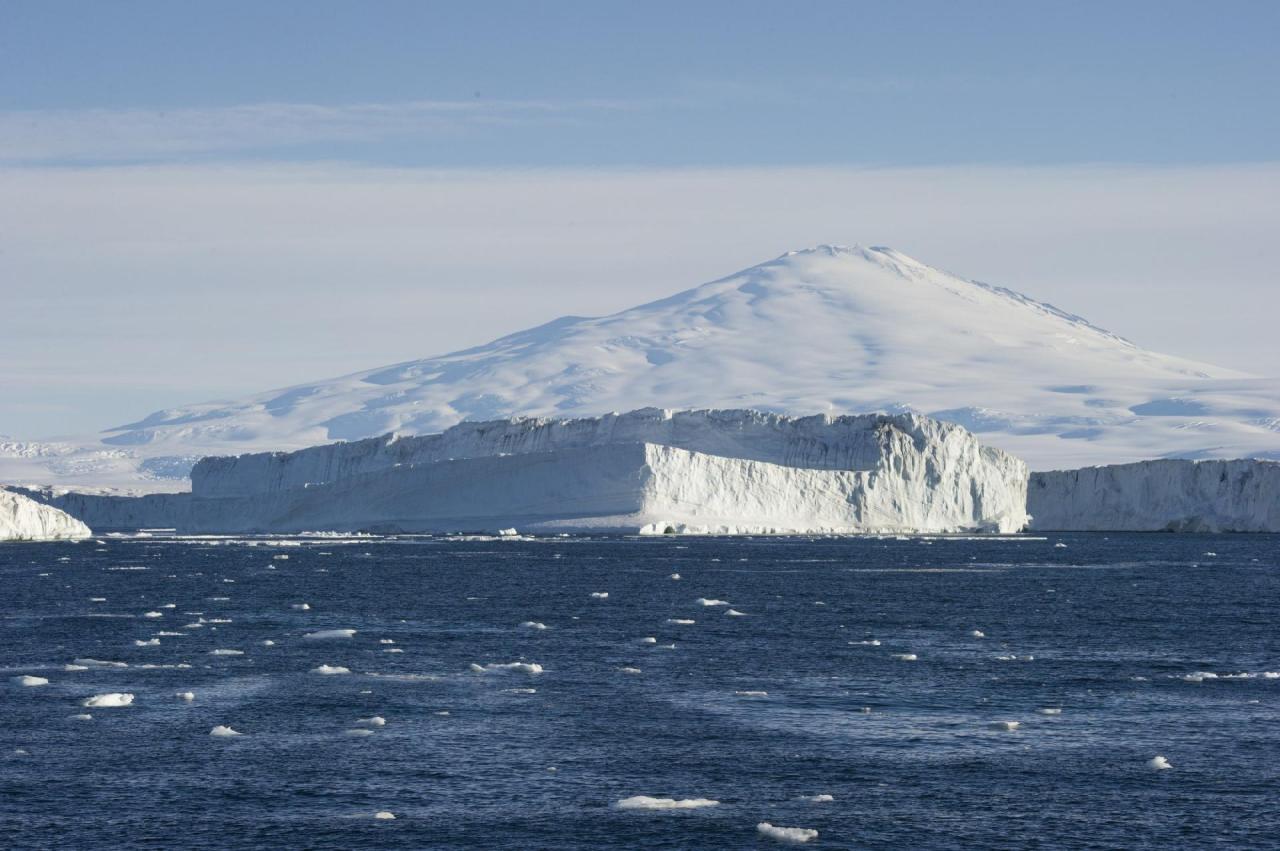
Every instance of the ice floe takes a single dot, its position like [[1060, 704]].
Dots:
[[330, 670], [817, 799], [644, 802], [98, 663], [630, 670], [110, 699], [1004, 726], [149, 642], [734, 613], [1159, 763], [751, 693], [301, 607], [384, 815], [704, 601], [223, 731], [904, 657], [533, 625], [682, 621], [185, 695], [226, 651], [30, 681], [796, 835], [372, 721], [600, 595]]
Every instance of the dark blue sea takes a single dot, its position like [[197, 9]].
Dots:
[[851, 696]]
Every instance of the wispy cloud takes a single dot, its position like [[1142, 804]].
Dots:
[[41, 136]]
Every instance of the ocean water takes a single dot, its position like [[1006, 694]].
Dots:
[[759, 712]]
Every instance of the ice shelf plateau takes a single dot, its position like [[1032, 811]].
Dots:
[[25, 519], [647, 471]]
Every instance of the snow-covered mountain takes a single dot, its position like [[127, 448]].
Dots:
[[828, 329]]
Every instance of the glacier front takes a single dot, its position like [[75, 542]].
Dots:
[[25, 519], [1165, 495], [650, 470]]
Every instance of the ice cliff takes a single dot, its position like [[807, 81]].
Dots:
[[647, 470], [25, 519], [1162, 495]]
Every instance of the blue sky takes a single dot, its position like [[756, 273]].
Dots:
[[206, 200], [654, 83]]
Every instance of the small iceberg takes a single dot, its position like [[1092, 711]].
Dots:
[[630, 670], [904, 657], [384, 815], [374, 721], [794, 835], [330, 670], [600, 595], [644, 802], [977, 633], [1159, 763], [150, 642], [154, 615], [734, 613], [1004, 726], [675, 576], [83, 716], [358, 731], [704, 601], [223, 731], [751, 693], [1049, 710], [534, 625], [518, 667], [188, 696], [682, 621], [30, 681], [300, 607], [817, 799], [113, 698], [326, 634]]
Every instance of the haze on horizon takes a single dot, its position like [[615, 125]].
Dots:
[[208, 202]]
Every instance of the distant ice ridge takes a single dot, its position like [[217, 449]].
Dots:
[[1154, 496], [651, 470], [25, 519]]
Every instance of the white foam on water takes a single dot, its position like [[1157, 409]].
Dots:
[[1159, 763], [817, 799], [97, 599], [734, 613], [330, 670], [705, 601], [110, 699], [1004, 726], [326, 634], [793, 835], [534, 625], [384, 815], [224, 651], [166, 634], [193, 626], [223, 731], [392, 650], [386, 641], [682, 621], [30, 681], [904, 657], [600, 595], [644, 802], [372, 721], [516, 667]]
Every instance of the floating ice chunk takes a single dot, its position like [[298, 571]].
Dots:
[[1006, 657], [392, 650], [682, 621], [385, 641], [819, 603], [507, 533], [223, 731], [330, 670], [751, 693], [1050, 710], [1005, 726], [977, 633], [1060, 546], [534, 625], [281, 557], [517, 667], [154, 615], [188, 696], [600, 595], [1159, 763], [675, 576], [1211, 554], [301, 607], [372, 721], [871, 642], [384, 815], [30, 681], [83, 716], [522, 690], [75, 667], [97, 599], [649, 640], [795, 835], [150, 642], [267, 642], [644, 802], [325, 634], [629, 670], [166, 634], [904, 657], [223, 651], [99, 663], [817, 799], [704, 601], [358, 731], [113, 698], [734, 613]]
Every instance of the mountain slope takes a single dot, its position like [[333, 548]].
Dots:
[[825, 329]]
